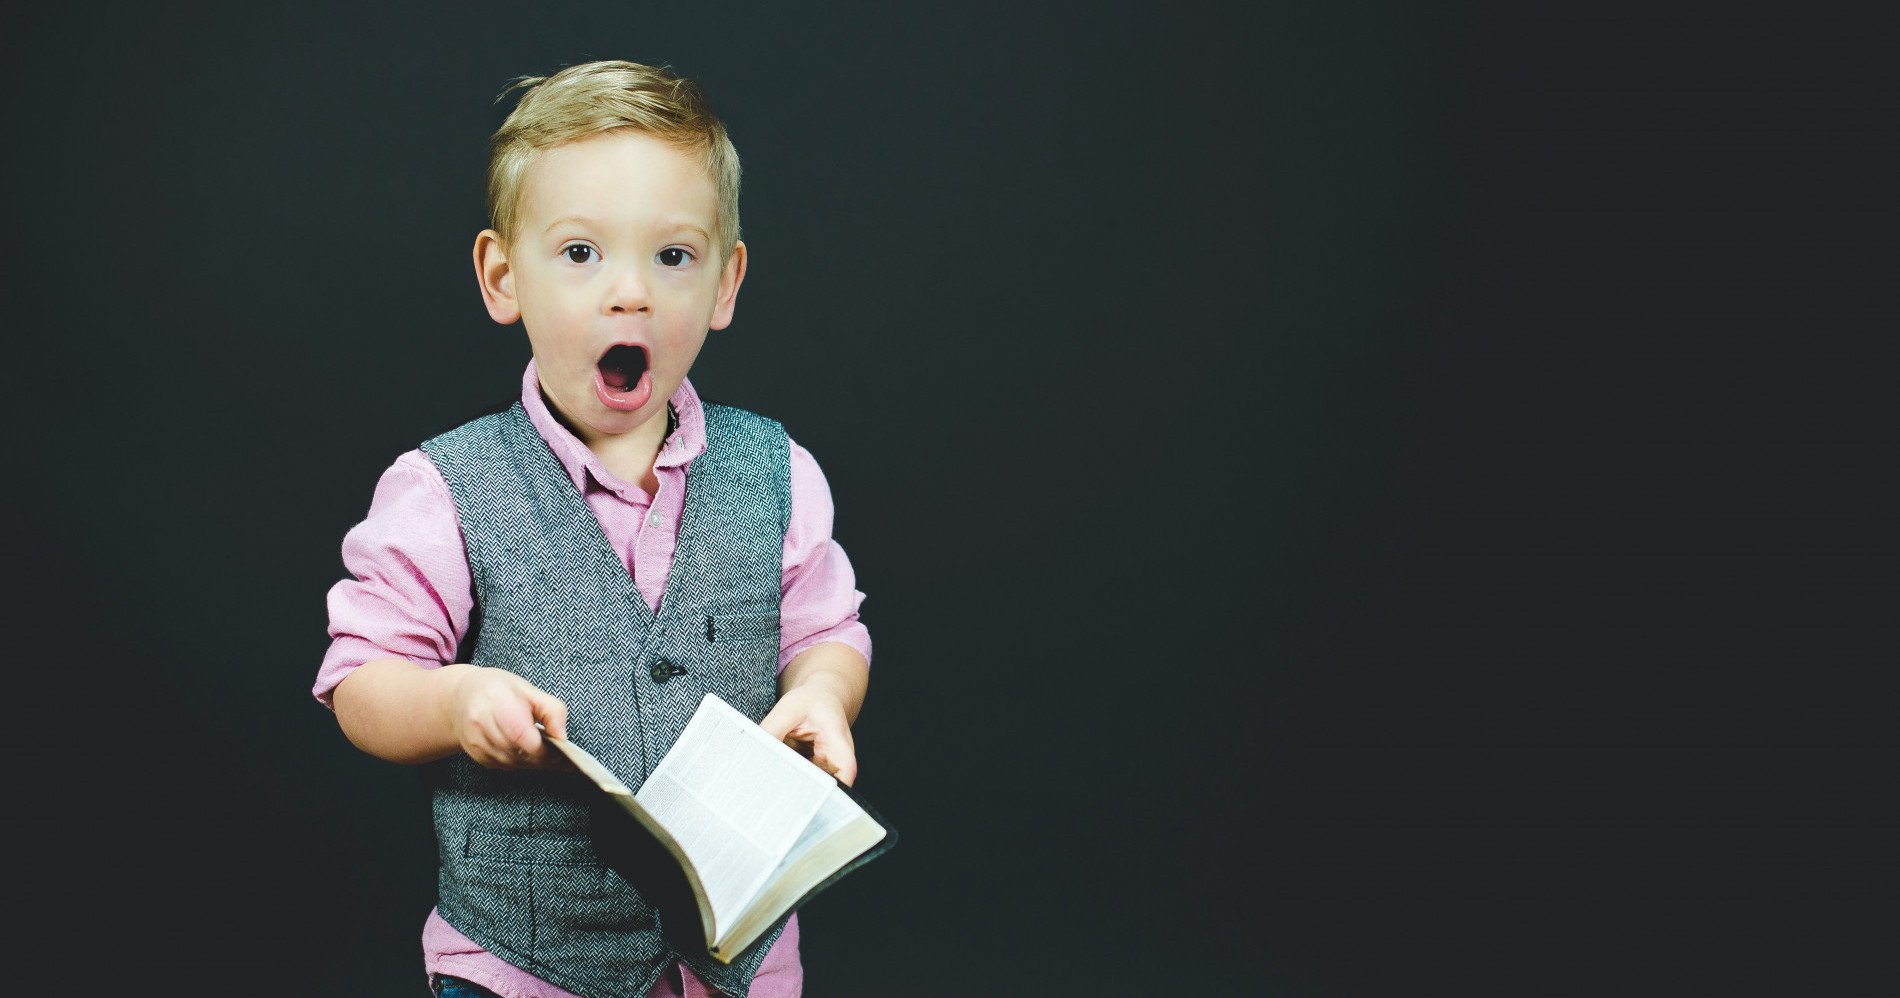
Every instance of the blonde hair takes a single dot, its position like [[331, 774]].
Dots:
[[596, 97]]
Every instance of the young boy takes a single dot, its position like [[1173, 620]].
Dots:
[[595, 557]]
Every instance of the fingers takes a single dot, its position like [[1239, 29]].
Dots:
[[816, 728], [507, 737], [550, 711], [779, 721], [530, 749], [836, 754], [487, 743], [826, 741], [496, 723], [517, 726]]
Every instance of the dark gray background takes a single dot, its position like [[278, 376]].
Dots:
[[1354, 499]]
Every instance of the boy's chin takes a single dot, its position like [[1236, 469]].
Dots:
[[613, 423]]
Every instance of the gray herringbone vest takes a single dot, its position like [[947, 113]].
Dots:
[[555, 604]]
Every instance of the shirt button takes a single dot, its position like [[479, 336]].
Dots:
[[654, 518]]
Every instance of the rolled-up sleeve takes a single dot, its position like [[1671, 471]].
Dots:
[[818, 589], [409, 593]]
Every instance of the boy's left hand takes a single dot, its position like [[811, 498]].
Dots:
[[820, 693], [811, 720]]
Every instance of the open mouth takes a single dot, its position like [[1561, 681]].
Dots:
[[621, 378], [621, 367]]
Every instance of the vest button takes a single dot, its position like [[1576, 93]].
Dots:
[[663, 670]]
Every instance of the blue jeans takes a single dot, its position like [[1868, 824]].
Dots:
[[455, 987]]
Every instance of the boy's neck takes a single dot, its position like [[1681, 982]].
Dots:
[[630, 456], [627, 456]]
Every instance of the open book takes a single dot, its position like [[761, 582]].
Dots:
[[755, 826]]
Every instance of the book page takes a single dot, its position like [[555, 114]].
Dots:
[[838, 833], [832, 815], [735, 799]]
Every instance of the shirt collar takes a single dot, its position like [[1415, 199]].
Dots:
[[686, 442]]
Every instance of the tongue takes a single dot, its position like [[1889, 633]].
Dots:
[[621, 367]]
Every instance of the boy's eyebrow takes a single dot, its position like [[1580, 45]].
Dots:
[[564, 219], [586, 221]]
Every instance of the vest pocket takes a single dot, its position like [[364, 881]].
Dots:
[[744, 673], [721, 627], [548, 895], [744, 653], [592, 899], [545, 849]]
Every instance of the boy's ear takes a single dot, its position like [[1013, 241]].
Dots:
[[497, 280], [729, 280]]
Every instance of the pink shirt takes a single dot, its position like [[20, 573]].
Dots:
[[411, 594]]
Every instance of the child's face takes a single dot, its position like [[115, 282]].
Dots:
[[614, 272]]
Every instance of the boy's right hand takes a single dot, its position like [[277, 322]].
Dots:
[[493, 712]]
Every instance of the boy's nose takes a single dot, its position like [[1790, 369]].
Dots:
[[627, 293]]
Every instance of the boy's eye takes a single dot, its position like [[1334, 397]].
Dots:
[[673, 256], [578, 253]]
